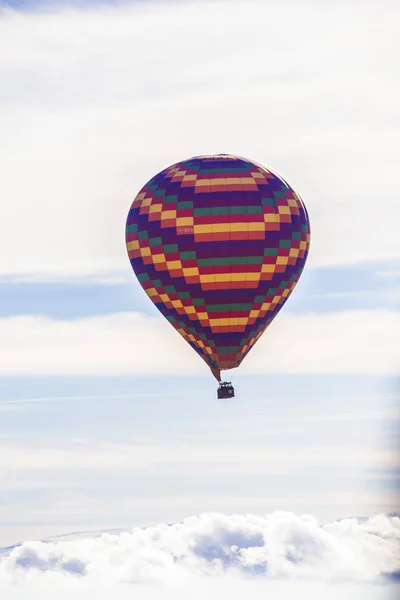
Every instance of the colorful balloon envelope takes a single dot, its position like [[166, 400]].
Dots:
[[218, 244]]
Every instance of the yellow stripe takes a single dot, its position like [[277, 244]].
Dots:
[[267, 268], [282, 260], [228, 227], [244, 276], [168, 214], [202, 228], [252, 226], [190, 271], [221, 277], [233, 321], [212, 278], [133, 245], [174, 264], [176, 303], [184, 221], [271, 218], [223, 181], [151, 292], [284, 210], [158, 258], [155, 208]]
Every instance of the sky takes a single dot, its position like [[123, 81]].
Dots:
[[108, 420]]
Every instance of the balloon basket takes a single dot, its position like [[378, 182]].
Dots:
[[225, 390]]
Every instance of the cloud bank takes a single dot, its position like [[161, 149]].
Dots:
[[94, 102], [132, 343], [256, 550]]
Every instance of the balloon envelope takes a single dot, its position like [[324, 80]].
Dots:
[[218, 243]]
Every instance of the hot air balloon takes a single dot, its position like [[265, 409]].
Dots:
[[218, 244]]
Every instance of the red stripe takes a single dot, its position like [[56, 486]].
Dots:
[[168, 223], [188, 263], [183, 212], [172, 256], [130, 237]]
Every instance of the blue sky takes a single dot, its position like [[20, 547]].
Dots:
[[329, 289], [107, 419]]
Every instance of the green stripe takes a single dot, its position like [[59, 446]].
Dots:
[[246, 210], [188, 255], [227, 307], [220, 210], [233, 260], [233, 210], [169, 248], [270, 251], [186, 204], [155, 241], [285, 243], [230, 170], [170, 199], [143, 277], [201, 212], [131, 228], [142, 235], [184, 295], [227, 349], [216, 168], [198, 301]]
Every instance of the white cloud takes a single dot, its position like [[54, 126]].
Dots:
[[132, 343], [229, 587], [94, 103], [261, 552], [181, 457]]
